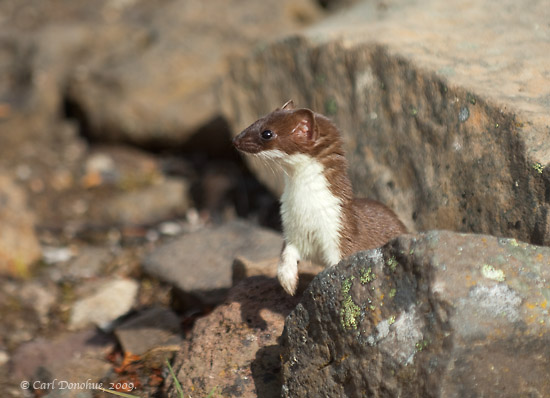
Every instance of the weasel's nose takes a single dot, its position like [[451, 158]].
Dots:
[[237, 141]]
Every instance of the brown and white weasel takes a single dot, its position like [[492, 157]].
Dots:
[[322, 221]]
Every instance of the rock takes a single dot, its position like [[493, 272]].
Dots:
[[121, 166], [233, 351], [152, 328], [199, 263], [437, 314], [112, 299], [243, 268], [87, 264], [71, 357], [429, 127], [19, 246], [160, 86], [164, 199]]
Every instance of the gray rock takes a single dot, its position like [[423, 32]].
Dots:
[[19, 246], [234, 351], [199, 263], [432, 315], [152, 328], [112, 299], [430, 128]]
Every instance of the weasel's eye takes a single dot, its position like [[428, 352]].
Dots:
[[267, 135]]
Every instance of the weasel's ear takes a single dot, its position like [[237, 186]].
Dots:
[[289, 105], [307, 125]]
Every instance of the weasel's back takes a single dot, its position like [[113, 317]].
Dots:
[[376, 224]]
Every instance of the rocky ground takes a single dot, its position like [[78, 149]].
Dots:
[[132, 234]]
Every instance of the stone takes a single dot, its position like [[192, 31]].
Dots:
[[159, 86], [442, 113], [152, 328], [168, 197], [19, 246], [428, 315], [112, 299], [243, 268], [120, 166], [199, 263], [234, 351], [67, 357]]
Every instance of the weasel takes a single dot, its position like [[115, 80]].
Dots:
[[322, 221]]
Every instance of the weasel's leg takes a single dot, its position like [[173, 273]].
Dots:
[[287, 271]]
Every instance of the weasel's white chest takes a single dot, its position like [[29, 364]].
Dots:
[[311, 213]]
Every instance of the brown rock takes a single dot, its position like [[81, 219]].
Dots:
[[442, 112], [440, 314], [161, 88], [234, 350], [19, 246]]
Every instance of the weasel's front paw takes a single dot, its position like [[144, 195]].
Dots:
[[287, 273]]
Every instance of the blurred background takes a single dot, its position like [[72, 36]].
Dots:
[[112, 141]]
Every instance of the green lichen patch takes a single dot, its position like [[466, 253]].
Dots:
[[367, 276], [539, 168], [393, 292], [349, 314], [346, 284], [490, 272], [421, 345], [392, 263]]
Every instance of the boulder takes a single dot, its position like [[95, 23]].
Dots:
[[440, 314], [440, 106], [160, 86], [233, 352]]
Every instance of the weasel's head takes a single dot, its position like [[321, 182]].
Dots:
[[283, 132]]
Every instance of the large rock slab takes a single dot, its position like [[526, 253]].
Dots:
[[440, 314], [160, 87], [443, 107]]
